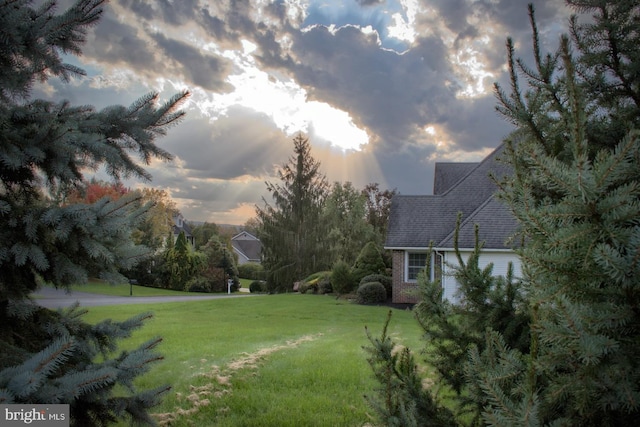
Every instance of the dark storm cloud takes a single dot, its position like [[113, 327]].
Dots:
[[178, 12], [477, 124], [229, 148], [118, 43], [394, 95], [171, 12], [385, 92], [140, 8], [417, 174], [511, 16], [198, 67]]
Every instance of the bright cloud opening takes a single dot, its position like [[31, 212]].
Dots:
[[473, 73], [404, 29], [284, 102]]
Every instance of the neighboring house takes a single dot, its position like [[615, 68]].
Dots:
[[418, 222], [181, 225], [247, 246]]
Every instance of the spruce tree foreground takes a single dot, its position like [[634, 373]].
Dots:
[[45, 147], [575, 190]]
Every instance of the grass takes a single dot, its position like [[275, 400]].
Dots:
[[96, 286], [245, 283], [280, 360]]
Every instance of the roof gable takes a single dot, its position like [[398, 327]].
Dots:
[[496, 226], [417, 221], [250, 249], [244, 235], [447, 174]]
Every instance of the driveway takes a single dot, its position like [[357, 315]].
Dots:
[[58, 298]]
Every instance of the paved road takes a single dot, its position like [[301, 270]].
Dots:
[[58, 298]]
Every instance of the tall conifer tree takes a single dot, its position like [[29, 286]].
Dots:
[[576, 194], [45, 148], [291, 230]]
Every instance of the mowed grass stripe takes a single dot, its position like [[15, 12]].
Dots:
[[318, 381]]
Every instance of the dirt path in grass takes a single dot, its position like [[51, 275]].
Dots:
[[220, 381]]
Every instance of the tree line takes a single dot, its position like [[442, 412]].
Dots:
[[310, 224]]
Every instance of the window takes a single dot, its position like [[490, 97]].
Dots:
[[415, 264]]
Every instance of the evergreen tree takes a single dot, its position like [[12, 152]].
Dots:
[[181, 263], [45, 356], [401, 399], [486, 303], [291, 230], [369, 261], [575, 191]]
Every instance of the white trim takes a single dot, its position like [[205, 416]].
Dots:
[[244, 232], [445, 249], [406, 248], [406, 264]]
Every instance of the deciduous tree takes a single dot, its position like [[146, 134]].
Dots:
[[344, 216], [94, 191], [203, 233], [378, 205]]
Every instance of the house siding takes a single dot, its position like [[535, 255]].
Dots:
[[500, 262]]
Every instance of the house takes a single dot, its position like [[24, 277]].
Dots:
[[181, 225], [247, 246], [417, 223]]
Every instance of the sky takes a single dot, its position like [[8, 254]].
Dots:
[[383, 89]]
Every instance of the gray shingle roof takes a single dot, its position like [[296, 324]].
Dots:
[[415, 221], [496, 225], [251, 249], [447, 174]]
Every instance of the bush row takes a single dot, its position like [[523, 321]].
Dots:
[[251, 271]]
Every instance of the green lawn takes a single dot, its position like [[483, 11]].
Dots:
[[95, 286], [280, 360], [245, 283]]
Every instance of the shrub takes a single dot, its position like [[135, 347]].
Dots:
[[316, 283], [199, 284], [313, 278], [371, 293], [386, 281], [258, 286], [369, 261], [308, 287], [324, 284], [252, 271], [341, 279]]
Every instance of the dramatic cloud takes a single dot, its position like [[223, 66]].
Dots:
[[383, 89]]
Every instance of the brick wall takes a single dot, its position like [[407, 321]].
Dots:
[[403, 292]]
